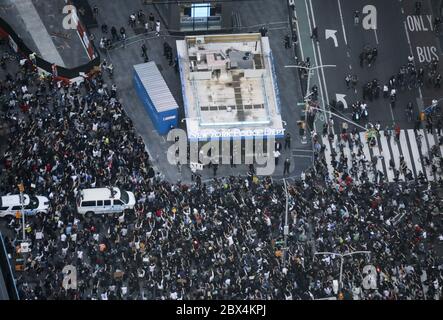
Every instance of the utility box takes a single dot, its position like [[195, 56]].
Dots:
[[156, 97]]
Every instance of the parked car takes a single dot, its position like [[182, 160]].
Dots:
[[10, 204]]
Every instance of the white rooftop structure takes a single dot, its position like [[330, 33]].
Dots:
[[229, 86]]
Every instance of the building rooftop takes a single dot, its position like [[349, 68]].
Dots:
[[229, 86]]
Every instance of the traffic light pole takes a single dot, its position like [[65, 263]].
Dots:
[[286, 227], [21, 188]]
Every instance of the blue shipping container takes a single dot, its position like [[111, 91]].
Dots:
[[156, 97]]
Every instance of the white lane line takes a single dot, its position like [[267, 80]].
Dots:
[[405, 151], [412, 53], [407, 37], [386, 155], [392, 113], [326, 96], [414, 149], [299, 37], [342, 22], [376, 36], [441, 149], [316, 61]]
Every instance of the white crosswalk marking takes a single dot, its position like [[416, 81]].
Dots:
[[366, 153], [425, 152], [415, 152], [396, 154], [347, 151], [387, 156], [405, 151], [328, 156], [382, 151], [376, 152]]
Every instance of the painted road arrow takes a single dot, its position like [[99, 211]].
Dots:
[[332, 34], [341, 98]]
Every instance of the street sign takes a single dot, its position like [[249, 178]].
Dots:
[[196, 166], [25, 247]]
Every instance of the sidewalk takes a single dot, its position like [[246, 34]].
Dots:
[[39, 33]]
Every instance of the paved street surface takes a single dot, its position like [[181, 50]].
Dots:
[[39, 24], [270, 13], [394, 41], [372, 185]]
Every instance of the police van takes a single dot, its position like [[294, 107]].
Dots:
[[11, 204], [104, 201]]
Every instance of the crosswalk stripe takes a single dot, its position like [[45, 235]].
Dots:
[[396, 154], [415, 152], [376, 153], [387, 149], [405, 151], [328, 156], [431, 141], [425, 152], [441, 147], [387, 156], [347, 151], [366, 152]]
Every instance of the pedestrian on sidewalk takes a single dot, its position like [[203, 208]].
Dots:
[[287, 42], [348, 81], [145, 52], [263, 31], [114, 33], [397, 132], [287, 141], [95, 11], [157, 28], [286, 166], [439, 127], [276, 156], [132, 20], [151, 20]]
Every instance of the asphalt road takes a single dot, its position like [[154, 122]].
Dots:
[[393, 40], [270, 13]]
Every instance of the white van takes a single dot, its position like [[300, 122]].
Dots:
[[10, 204], [104, 200]]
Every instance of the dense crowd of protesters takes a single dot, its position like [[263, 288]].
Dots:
[[220, 240]]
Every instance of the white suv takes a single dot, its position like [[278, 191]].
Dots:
[[104, 200], [10, 204]]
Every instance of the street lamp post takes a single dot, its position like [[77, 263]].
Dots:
[[21, 188], [286, 227], [308, 94], [342, 255]]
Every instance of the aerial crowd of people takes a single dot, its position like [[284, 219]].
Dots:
[[218, 240]]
